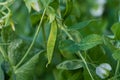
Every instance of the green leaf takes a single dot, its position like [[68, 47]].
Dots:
[[80, 25], [70, 65], [7, 34], [44, 2], [32, 3], [116, 30], [51, 41], [68, 74], [51, 14], [90, 42], [26, 71], [68, 48], [75, 76], [116, 55], [68, 45], [1, 71], [16, 51], [35, 18], [54, 4]]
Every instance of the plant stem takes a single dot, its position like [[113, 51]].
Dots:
[[34, 39], [67, 33], [117, 68], [79, 53], [44, 35], [85, 65], [3, 53], [6, 2]]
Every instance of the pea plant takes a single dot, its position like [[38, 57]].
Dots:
[[59, 40]]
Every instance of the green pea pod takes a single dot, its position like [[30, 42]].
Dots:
[[51, 41]]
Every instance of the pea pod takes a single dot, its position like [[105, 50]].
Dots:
[[51, 41]]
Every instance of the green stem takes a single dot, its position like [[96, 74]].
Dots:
[[117, 68], [86, 65], [6, 2], [44, 35], [3, 53], [85, 55], [79, 53], [34, 39], [67, 33]]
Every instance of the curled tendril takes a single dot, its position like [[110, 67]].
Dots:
[[6, 2], [6, 13]]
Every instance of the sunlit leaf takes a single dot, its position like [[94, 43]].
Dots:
[[32, 3], [36, 6], [51, 41], [70, 65], [116, 30], [90, 42], [116, 55], [80, 25], [51, 14]]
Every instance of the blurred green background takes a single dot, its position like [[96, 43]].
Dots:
[[107, 12]]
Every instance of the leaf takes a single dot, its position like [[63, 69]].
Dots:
[[90, 42], [70, 65], [51, 14], [35, 18], [116, 55], [35, 6], [68, 48], [1, 71], [45, 2], [26, 71], [116, 30], [80, 25], [32, 3], [51, 41], [68, 74], [54, 4], [8, 34], [16, 51], [68, 45], [76, 76]]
